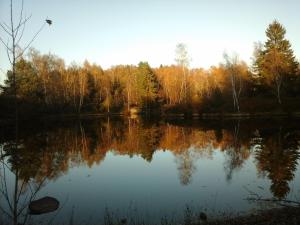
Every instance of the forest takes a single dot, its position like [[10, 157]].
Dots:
[[43, 85]]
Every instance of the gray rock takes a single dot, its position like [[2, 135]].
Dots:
[[43, 205]]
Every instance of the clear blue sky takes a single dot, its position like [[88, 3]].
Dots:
[[110, 32]]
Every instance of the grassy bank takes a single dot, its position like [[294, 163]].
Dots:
[[287, 215]]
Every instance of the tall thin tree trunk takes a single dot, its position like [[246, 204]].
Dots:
[[185, 86], [278, 94], [128, 100]]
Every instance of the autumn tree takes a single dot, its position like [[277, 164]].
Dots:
[[199, 85], [126, 75], [170, 78], [275, 63], [50, 70]]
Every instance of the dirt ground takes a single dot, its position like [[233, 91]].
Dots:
[[279, 216]]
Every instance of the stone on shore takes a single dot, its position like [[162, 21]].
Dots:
[[43, 205]]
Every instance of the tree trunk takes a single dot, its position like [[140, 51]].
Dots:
[[278, 95], [278, 81]]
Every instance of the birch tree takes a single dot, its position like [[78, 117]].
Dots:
[[182, 59], [231, 64]]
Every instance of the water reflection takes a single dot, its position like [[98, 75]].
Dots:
[[19, 185], [47, 153], [277, 158]]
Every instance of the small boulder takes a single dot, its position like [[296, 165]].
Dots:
[[43, 205]]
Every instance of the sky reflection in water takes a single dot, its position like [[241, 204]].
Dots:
[[148, 170]]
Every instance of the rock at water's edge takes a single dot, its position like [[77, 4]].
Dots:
[[43, 205]]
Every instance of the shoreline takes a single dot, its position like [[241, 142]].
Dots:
[[181, 116], [287, 215], [194, 116]]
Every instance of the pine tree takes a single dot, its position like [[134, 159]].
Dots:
[[148, 86], [275, 63], [27, 83]]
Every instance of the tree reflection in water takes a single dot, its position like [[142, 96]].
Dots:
[[237, 149], [278, 158], [19, 185], [50, 152]]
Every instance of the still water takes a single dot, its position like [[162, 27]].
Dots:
[[124, 168]]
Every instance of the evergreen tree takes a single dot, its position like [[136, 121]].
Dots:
[[148, 87], [27, 82], [275, 63]]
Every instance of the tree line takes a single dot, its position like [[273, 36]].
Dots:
[[44, 84]]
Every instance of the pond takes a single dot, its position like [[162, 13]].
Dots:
[[113, 168]]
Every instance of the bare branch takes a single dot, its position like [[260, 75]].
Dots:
[[29, 185], [8, 55], [58, 211], [20, 192], [32, 40], [20, 20], [5, 187], [1, 209], [5, 29], [19, 39], [6, 45], [22, 24], [33, 194], [11, 19]]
